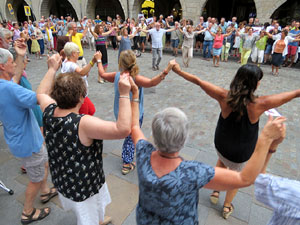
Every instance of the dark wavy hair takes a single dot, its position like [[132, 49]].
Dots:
[[242, 88], [67, 90]]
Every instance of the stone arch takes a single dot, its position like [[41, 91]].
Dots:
[[265, 8], [16, 4], [64, 8], [237, 6], [136, 7], [91, 7]]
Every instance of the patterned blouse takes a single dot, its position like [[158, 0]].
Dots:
[[76, 170], [173, 198]]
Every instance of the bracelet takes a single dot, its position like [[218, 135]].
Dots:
[[165, 72], [91, 62], [272, 151], [162, 77], [124, 96], [136, 100]]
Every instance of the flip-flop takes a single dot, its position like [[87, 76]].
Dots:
[[127, 168], [49, 195], [41, 216]]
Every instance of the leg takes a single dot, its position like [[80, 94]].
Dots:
[[214, 60], [204, 49], [218, 60], [184, 55], [159, 56], [214, 196], [154, 56], [223, 53], [210, 44], [190, 55], [226, 53]]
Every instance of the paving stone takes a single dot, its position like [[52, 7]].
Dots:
[[259, 215], [124, 197], [4, 157], [215, 218], [203, 212], [131, 219]]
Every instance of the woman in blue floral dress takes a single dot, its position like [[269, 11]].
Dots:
[[168, 184]]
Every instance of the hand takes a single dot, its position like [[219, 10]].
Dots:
[[275, 129], [276, 142], [134, 87], [171, 64], [20, 47], [54, 62], [98, 55], [124, 84], [176, 68]]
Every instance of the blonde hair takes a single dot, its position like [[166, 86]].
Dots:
[[127, 62], [69, 48]]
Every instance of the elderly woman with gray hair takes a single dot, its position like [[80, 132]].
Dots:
[[169, 184]]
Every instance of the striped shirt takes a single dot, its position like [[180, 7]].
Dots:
[[100, 40], [282, 195]]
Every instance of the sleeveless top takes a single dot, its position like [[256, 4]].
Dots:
[[236, 139], [76, 170], [218, 41], [100, 40], [125, 44], [117, 95]]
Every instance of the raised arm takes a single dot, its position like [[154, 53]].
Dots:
[[265, 103], [84, 31], [201, 31], [172, 29], [46, 85], [86, 69], [94, 128], [109, 32], [20, 48], [107, 76], [226, 179], [132, 35], [146, 82], [228, 34], [212, 33], [136, 132], [216, 92]]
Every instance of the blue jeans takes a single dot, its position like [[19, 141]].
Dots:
[[207, 45], [42, 45]]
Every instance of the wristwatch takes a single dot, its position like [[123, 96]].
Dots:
[[99, 61]]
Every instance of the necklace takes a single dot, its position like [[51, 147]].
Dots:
[[168, 157]]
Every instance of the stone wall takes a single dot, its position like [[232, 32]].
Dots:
[[192, 9]]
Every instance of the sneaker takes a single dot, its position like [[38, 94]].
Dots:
[[157, 67], [154, 68]]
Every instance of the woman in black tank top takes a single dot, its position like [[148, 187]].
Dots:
[[237, 128]]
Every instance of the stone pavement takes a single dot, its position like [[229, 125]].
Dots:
[[202, 112]]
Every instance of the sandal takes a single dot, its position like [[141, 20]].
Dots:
[[47, 197], [214, 198], [227, 214], [23, 170], [30, 218], [127, 168]]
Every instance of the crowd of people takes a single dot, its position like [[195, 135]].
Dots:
[[55, 128]]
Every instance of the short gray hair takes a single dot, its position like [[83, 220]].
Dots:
[[69, 48], [70, 25], [4, 32], [5, 55], [170, 130]]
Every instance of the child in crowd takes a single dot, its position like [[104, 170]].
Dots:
[[35, 47]]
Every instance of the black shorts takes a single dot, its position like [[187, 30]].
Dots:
[[142, 40], [200, 37]]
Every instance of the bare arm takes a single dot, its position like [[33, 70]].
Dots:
[[20, 48], [93, 33], [84, 31], [94, 128], [109, 32], [212, 34], [107, 76], [265, 103], [136, 132], [132, 35], [146, 82], [212, 90], [169, 30], [226, 179], [46, 85]]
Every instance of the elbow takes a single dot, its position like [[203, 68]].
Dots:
[[247, 181], [124, 132]]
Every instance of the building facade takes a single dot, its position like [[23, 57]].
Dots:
[[191, 9]]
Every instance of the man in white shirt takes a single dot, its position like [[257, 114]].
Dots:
[[156, 36]]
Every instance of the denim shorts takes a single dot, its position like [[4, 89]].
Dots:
[[268, 49], [175, 43]]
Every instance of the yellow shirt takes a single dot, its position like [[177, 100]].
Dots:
[[77, 40]]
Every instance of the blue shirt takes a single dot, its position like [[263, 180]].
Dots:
[[117, 95], [157, 36], [293, 34], [21, 131], [172, 198], [282, 195]]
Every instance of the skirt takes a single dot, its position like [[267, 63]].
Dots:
[[103, 50], [231, 165], [217, 51], [277, 59], [90, 211], [35, 47]]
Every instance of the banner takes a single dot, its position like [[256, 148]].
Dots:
[[27, 10], [10, 9]]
